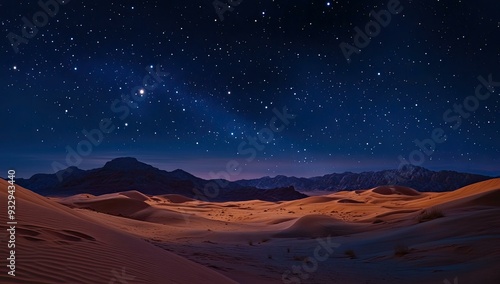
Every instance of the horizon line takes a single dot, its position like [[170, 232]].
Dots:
[[157, 166]]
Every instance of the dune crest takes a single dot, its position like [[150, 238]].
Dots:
[[256, 241], [59, 245], [399, 190]]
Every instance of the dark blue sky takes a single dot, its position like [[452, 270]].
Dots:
[[214, 85]]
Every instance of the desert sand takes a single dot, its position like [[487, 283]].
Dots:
[[383, 235], [56, 244]]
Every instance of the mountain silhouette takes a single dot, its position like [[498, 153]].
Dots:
[[124, 174], [415, 177]]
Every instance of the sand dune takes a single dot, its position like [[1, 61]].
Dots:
[[315, 226], [446, 234], [133, 194], [400, 190], [58, 245], [175, 198]]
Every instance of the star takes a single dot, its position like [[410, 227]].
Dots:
[[222, 91]]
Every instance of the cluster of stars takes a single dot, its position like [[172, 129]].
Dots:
[[226, 77]]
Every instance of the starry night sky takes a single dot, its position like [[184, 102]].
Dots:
[[226, 77]]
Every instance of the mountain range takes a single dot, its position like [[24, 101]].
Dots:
[[415, 177], [124, 174]]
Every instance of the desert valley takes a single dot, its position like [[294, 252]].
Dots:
[[385, 234]]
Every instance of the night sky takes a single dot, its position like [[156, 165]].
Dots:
[[219, 82]]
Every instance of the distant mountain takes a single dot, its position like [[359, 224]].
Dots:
[[123, 174], [411, 176]]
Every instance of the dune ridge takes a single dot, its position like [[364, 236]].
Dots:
[[169, 236], [58, 245]]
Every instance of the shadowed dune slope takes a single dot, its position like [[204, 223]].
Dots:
[[313, 226], [175, 198], [400, 190], [55, 244]]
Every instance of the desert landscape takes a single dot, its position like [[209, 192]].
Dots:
[[252, 142], [387, 234]]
